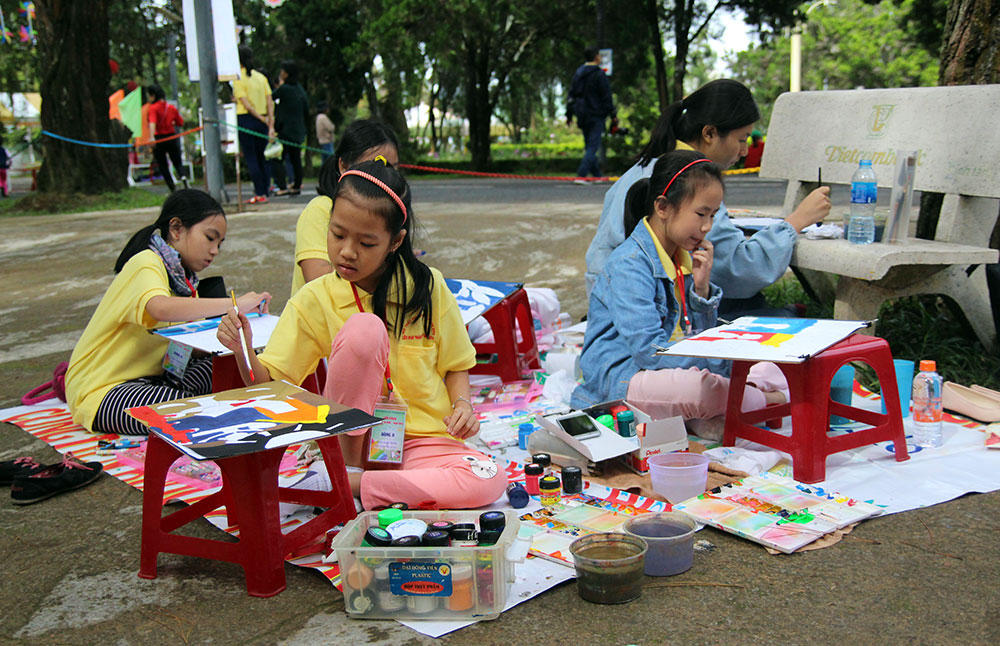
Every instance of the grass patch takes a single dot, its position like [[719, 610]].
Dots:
[[916, 327], [53, 203]]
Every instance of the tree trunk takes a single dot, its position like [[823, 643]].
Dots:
[[73, 49], [683, 13], [656, 46], [477, 108], [970, 55]]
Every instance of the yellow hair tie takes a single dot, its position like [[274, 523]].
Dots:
[[381, 159]]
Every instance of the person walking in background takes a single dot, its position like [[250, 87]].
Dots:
[[163, 119], [324, 129], [754, 151], [5, 162], [254, 112], [591, 103], [291, 113]]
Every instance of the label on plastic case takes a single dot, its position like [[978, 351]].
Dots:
[[420, 579]]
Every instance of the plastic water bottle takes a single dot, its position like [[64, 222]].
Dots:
[[927, 410], [864, 192]]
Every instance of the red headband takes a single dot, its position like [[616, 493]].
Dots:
[[382, 185], [678, 173]]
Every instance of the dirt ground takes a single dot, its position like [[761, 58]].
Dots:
[[69, 564]]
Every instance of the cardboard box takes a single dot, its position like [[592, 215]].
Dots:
[[654, 436]]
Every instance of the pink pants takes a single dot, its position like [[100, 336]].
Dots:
[[437, 471], [695, 393]]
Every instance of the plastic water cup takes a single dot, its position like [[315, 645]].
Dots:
[[609, 567], [842, 390], [904, 383], [678, 476], [670, 537]]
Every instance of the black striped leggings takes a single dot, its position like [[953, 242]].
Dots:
[[111, 416]]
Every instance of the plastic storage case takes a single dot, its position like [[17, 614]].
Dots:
[[425, 582]]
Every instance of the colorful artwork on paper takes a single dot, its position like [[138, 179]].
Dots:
[[553, 528], [513, 394], [245, 420], [776, 511], [476, 296], [757, 338]]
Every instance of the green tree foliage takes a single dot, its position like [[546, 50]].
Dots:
[[845, 45]]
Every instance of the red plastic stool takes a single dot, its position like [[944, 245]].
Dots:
[[250, 494], [513, 358], [810, 406]]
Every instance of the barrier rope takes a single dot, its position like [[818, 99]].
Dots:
[[431, 169], [92, 144]]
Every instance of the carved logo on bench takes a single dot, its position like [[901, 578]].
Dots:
[[879, 119]]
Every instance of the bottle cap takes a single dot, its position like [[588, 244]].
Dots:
[[441, 525], [406, 541], [492, 520], [435, 538], [928, 365], [407, 527], [549, 483], [399, 505], [626, 416], [572, 480], [377, 537], [387, 517], [606, 420], [616, 410], [463, 532], [542, 459], [533, 469], [489, 537], [866, 162]]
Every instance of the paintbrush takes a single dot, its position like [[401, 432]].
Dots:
[[243, 340]]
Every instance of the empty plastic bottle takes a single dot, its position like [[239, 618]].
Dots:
[[864, 193], [927, 412]]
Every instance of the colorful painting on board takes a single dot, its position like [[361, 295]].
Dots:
[[245, 420], [776, 511]]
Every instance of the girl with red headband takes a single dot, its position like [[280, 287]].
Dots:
[[653, 291], [388, 324]]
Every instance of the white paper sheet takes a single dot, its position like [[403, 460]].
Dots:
[[201, 334]]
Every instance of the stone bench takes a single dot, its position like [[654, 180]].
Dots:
[[957, 157]]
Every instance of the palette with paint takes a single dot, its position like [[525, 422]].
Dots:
[[552, 529], [776, 511]]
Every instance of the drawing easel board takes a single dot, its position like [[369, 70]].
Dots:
[[476, 296], [245, 420], [200, 335], [753, 338], [776, 511]]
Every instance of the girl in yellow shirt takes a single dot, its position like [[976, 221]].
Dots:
[[117, 364], [385, 320]]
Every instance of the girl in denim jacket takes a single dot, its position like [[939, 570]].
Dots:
[[654, 290]]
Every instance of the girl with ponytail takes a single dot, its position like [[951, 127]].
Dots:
[[388, 325], [715, 121], [654, 290], [117, 364]]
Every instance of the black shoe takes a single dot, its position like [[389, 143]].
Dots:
[[53, 480], [19, 467]]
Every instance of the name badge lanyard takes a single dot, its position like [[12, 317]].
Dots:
[[388, 376], [683, 296], [177, 356]]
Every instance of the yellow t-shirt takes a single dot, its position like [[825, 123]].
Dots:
[[310, 237], [116, 345], [668, 266], [255, 88], [313, 316]]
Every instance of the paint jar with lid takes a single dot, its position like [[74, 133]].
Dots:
[[532, 473], [376, 537], [543, 460], [407, 527], [517, 495], [626, 423], [462, 594], [492, 520], [549, 490], [572, 480], [523, 431], [388, 516], [463, 535], [387, 601]]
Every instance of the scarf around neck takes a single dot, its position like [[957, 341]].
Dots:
[[182, 282]]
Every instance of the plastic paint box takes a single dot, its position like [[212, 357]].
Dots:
[[425, 582]]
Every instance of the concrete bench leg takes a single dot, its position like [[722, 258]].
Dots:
[[860, 299]]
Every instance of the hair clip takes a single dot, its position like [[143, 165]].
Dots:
[[381, 159], [382, 185]]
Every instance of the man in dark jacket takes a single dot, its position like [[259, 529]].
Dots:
[[590, 102]]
